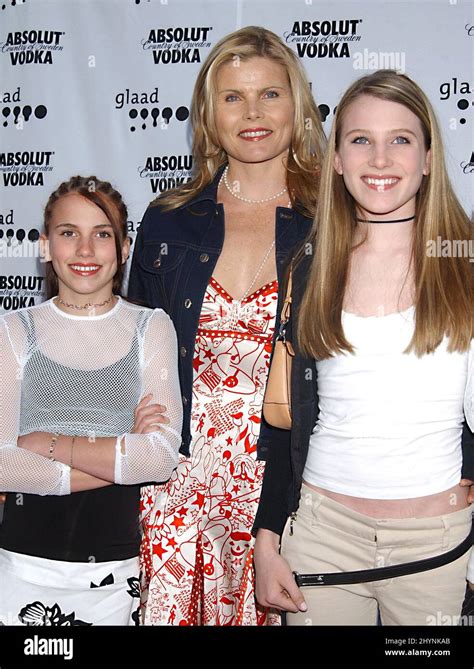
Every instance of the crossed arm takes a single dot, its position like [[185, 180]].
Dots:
[[148, 453], [92, 462]]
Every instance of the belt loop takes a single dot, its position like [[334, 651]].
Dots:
[[446, 531], [316, 499], [311, 498]]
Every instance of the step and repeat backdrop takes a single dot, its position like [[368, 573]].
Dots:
[[104, 87]]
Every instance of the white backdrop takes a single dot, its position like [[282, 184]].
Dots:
[[104, 86]]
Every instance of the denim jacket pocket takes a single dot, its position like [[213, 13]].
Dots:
[[162, 257]]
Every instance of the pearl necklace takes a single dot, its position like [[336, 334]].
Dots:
[[262, 264], [246, 199], [88, 305]]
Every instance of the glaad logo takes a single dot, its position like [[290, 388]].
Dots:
[[323, 39], [32, 46], [13, 3], [148, 114], [167, 172], [19, 115], [10, 236], [7, 219], [177, 45], [455, 87], [25, 168], [18, 244], [324, 111]]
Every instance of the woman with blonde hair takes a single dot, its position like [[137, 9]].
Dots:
[[369, 477], [257, 147]]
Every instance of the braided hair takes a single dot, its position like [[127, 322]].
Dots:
[[109, 200]]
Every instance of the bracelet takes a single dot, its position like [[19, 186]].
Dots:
[[72, 450], [52, 446]]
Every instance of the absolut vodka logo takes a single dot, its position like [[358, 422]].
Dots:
[[27, 47], [165, 172], [323, 39], [18, 291], [467, 166], [177, 45], [25, 168]]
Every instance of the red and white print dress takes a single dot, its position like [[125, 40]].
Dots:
[[196, 555]]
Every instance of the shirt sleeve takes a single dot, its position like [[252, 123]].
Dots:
[[20, 470], [154, 456], [272, 511]]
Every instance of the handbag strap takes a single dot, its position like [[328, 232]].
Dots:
[[286, 310]]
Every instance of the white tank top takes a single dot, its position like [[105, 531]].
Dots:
[[390, 423]]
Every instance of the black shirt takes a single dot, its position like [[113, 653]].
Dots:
[[91, 526]]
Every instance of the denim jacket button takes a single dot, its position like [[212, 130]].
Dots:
[[183, 351], [157, 262], [204, 257], [187, 303]]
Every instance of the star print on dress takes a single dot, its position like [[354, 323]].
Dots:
[[197, 548]]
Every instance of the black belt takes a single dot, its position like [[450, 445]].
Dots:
[[365, 575]]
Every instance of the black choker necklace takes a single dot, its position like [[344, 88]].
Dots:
[[397, 220]]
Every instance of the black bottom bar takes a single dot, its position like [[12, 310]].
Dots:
[[163, 646]]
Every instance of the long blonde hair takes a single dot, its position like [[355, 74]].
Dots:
[[443, 285], [308, 139]]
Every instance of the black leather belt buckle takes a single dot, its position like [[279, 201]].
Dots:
[[309, 579]]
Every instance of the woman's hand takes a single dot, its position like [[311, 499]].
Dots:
[[148, 416], [468, 482], [275, 585]]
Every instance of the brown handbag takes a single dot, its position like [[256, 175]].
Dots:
[[277, 400]]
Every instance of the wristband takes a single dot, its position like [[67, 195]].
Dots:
[[52, 446]]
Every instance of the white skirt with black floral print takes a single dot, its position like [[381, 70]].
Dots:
[[38, 591]]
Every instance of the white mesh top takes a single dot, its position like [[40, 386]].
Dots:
[[80, 375]]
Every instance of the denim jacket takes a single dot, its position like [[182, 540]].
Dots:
[[288, 449], [174, 257]]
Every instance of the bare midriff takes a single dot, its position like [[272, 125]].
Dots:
[[440, 503]]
